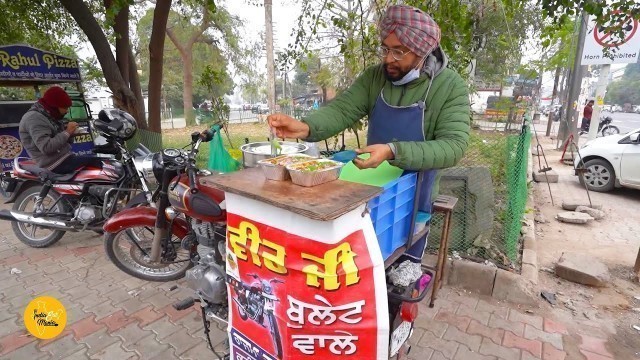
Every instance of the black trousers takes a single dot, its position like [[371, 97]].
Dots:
[[75, 162]]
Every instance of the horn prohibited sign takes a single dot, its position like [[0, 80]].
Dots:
[[622, 49]]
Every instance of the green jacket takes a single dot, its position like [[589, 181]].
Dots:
[[446, 120]]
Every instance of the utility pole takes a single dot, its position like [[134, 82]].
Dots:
[[271, 78], [570, 124], [601, 89]]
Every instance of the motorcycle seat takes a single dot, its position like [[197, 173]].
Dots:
[[30, 167]]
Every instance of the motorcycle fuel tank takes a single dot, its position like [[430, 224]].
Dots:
[[203, 205]]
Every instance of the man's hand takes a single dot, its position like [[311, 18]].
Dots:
[[378, 154], [71, 127], [287, 127]]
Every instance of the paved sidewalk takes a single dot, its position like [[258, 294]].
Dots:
[[114, 316]]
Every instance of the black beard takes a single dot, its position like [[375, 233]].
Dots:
[[394, 78]]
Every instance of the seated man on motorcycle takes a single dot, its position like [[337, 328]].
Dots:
[[47, 140]]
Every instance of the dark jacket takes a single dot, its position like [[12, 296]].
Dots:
[[44, 137]]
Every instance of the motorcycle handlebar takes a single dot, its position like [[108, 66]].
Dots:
[[191, 173]]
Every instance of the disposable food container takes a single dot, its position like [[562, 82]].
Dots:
[[275, 168], [315, 172]]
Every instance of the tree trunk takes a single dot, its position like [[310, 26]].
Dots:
[[121, 29], [271, 89], [123, 96], [156, 51], [187, 91], [551, 118], [134, 82]]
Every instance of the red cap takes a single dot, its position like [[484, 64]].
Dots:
[[55, 96]]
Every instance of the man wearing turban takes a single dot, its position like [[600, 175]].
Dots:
[[418, 109]]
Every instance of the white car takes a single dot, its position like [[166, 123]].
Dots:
[[611, 161]]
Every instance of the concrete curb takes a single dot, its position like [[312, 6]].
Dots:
[[495, 282]]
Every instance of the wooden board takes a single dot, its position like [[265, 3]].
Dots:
[[323, 202]]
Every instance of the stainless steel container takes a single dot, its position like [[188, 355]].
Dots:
[[254, 152]]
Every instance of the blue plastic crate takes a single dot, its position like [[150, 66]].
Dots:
[[391, 213]]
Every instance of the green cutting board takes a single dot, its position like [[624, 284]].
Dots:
[[379, 176]]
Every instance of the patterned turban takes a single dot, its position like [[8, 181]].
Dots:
[[414, 28]]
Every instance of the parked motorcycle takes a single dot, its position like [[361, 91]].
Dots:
[[604, 127], [256, 301], [158, 244], [46, 204]]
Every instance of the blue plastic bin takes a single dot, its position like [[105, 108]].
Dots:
[[391, 213]]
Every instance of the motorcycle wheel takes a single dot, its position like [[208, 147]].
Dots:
[[33, 235], [610, 130], [242, 313], [124, 249], [275, 335]]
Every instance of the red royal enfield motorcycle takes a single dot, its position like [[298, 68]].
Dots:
[[159, 244]]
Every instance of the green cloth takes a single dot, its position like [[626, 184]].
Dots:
[[446, 120]]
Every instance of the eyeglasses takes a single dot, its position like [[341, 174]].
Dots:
[[397, 54]]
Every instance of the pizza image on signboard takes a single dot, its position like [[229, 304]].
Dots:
[[10, 147]]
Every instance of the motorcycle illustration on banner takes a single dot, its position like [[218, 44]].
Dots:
[[256, 301]]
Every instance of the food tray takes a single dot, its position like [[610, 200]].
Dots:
[[313, 178], [275, 168]]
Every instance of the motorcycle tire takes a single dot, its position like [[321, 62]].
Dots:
[[275, 335], [610, 130], [27, 196], [109, 246]]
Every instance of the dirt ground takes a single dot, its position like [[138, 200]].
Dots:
[[613, 240]]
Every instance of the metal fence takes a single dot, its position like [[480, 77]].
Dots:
[[490, 183]]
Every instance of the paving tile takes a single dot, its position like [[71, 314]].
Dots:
[[446, 348], [594, 345], [114, 351], [534, 347], [63, 346], [553, 326], [549, 352], [461, 322], [11, 326], [78, 355], [593, 356], [489, 348], [532, 333], [98, 341], [85, 327], [436, 327], [463, 298], [13, 341], [116, 321], [472, 342], [146, 316], [475, 328], [101, 310], [148, 347], [499, 311], [465, 354], [533, 320], [481, 316], [181, 341], [130, 334], [163, 328], [29, 351], [497, 322]]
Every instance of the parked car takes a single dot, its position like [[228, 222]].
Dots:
[[611, 161], [246, 107], [260, 108]]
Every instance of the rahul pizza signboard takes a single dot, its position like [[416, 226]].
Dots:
[[622, 50]]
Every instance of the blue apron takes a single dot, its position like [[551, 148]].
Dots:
[[388, 123]]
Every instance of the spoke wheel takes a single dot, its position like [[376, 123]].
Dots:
[[130, 250]]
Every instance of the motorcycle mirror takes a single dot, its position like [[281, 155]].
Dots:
[[195, 136]]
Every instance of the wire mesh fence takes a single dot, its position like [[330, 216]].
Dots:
[[490, 183]]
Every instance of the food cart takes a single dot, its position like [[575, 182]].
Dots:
[[25, 66], [306, 266]]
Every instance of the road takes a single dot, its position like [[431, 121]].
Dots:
[[625, 121]]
